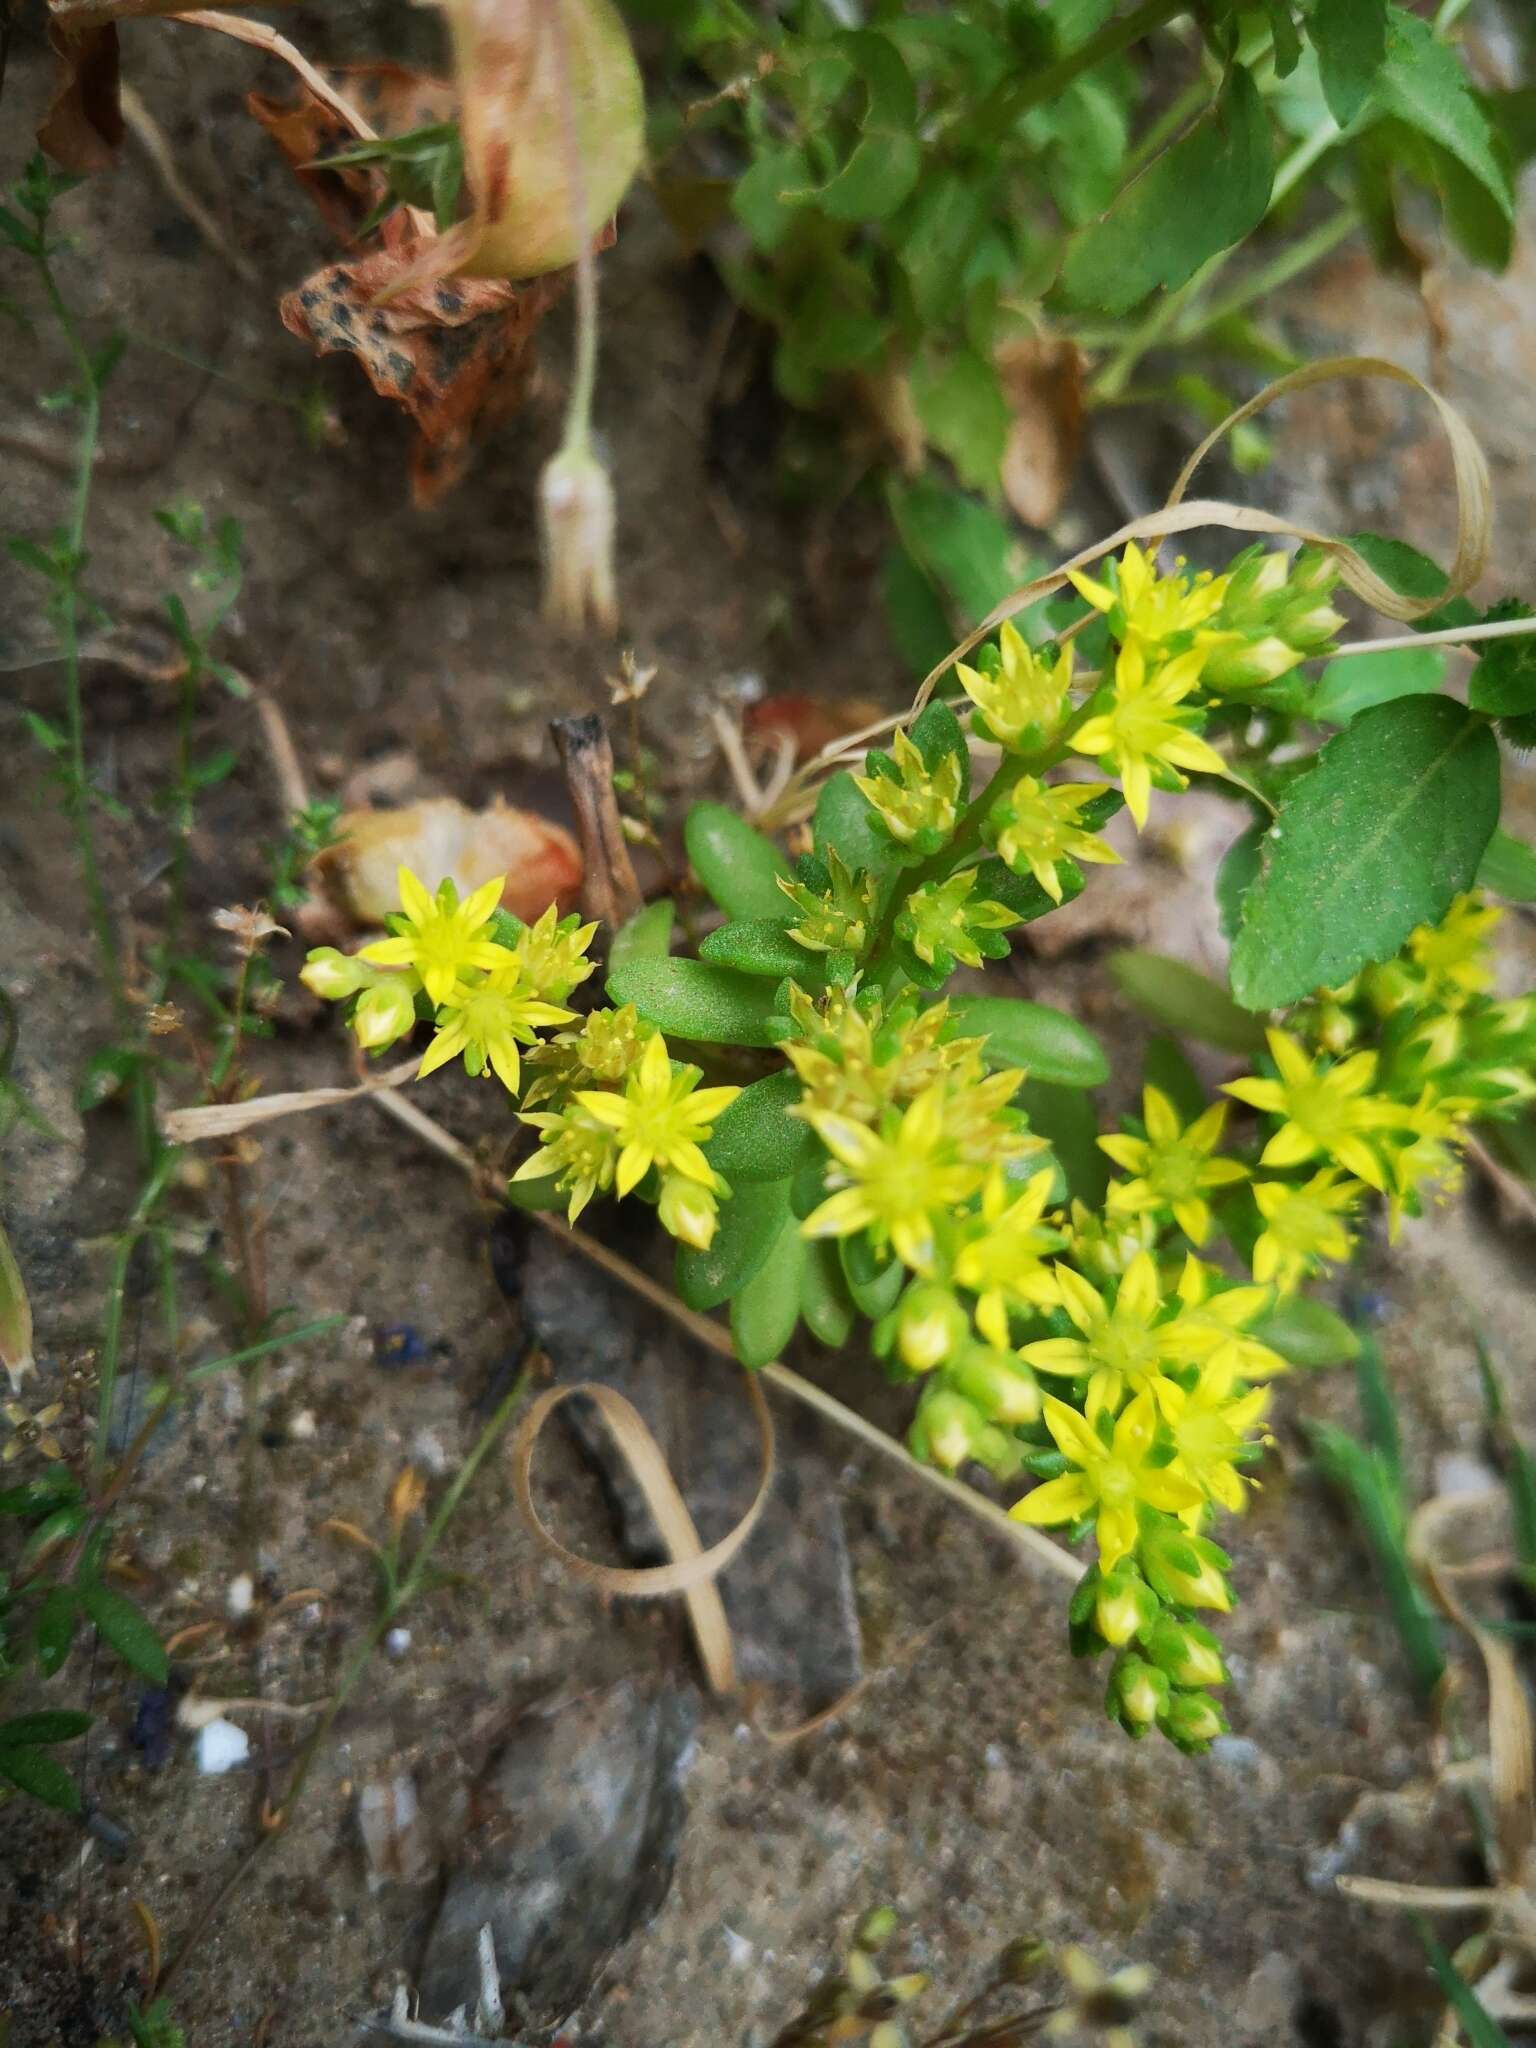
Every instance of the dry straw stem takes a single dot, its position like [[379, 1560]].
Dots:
[[1474, 516], [226, 1119], [263, 38], [1509, 1899]]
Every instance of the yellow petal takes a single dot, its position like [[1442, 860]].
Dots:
[[1058, 1500]]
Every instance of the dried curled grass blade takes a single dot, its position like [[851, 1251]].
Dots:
[[1474, 488], [1511, 1734], [225, 1119], [268, 39], [1474, 518], [693, 1569], [1418, 1898]]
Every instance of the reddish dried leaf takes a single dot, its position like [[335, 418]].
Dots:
[[84, 123], [1042, 380], [456, 354], [810, 722]]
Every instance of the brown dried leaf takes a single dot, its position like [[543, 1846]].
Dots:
[[440, 839], [1042, 380], [457, 355], [83, 127]]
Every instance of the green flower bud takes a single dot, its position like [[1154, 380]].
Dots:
[[1188, 1653], [1274, 614], [1138, 1695], [1023, 1960], [385, 1012], [1188, 1571], [1000, 1384], [946, 1428], [930, 1324], [1124, 1607], [875, 1928], [1192, 1721], [334, 976]]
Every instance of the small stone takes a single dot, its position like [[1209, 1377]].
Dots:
[[220, 1747], [303, 1426], [397, 1642], [240, 1597]]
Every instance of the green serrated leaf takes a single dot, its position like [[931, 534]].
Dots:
[[750, 1225], [1350, 37], [696, 1000], [1504, 681], [1184, 1000], [54, 1629], [1508, 869], [125, 1629], [737, 864], [1346, 688], [41, 1731], [46, 1780], [965, 415], [1376, 839], [1239, 866], [1050, 1046], [1422, 82], [1412, 574], [1201, 195]]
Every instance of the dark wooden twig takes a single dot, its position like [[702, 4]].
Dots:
[[609, 891]]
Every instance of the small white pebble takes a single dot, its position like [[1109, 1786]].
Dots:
[[197, 1482], [427, 1452], [1456, 1472], [303, 1426], [737, 1946], [242, 1593], [398, 1641], [220, 1746]]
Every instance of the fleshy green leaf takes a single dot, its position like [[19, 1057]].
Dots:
[[757, 1138], [965, 415], [825, 1303], [1200, 196], [967, 551], [844, 824], [1307, 1332], [646, 936], [750, 1224], [873, 1281], [737, 864], [1047, 1043], [126, 1630], [1184, 1000], [765, 1311], [761, 945], [1346, 688], [1067, 1120], [696, 1000], [1376, 839], [1508, 869], [1350, 37], [32, 1771]]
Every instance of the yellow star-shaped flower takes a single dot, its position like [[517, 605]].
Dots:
[[660, 1118], [1174, 1165], [443, 939], [1326, 1110], [1113, 1477]]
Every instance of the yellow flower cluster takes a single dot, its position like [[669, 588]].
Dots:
[[626, 1110], [489, 983]]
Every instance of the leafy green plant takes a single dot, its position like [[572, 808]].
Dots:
[[913, 200], [902, 1155]]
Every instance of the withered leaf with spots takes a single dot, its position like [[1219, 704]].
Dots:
[[456, 353]]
